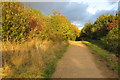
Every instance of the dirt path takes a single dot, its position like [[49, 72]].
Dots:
[[78, 62]]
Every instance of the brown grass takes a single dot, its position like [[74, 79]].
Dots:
[[29, 59]]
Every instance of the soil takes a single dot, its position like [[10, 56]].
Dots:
[[80, 62]]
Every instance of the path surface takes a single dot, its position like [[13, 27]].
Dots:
[[77, 62]]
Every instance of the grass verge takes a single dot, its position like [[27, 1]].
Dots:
[[52, 66], [110, 59]]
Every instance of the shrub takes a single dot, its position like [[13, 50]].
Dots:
[[111, 41]]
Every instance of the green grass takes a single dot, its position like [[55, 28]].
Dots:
[[110, 59], [50, 69]]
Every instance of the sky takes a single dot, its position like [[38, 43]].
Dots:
[[78, 12]]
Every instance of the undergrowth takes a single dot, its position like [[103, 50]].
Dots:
[[33, 59]]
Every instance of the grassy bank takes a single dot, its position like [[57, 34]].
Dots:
[[109, 58], [33, 59]]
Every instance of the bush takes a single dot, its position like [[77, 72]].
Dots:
[[111, 41], [105, 31], [14, 21], [20, 23]]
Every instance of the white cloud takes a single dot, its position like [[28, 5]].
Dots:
[[78, 25], [97, 6]]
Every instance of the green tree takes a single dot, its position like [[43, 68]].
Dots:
[[14, 21]]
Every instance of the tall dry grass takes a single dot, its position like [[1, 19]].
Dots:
[[33, 59]]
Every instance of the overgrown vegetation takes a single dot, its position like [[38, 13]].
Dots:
[[34, 59], [32, 42], [104, 31], [110, 59], [20, 23]]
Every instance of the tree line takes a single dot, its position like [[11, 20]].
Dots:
[[22, 23], [104, 31]]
